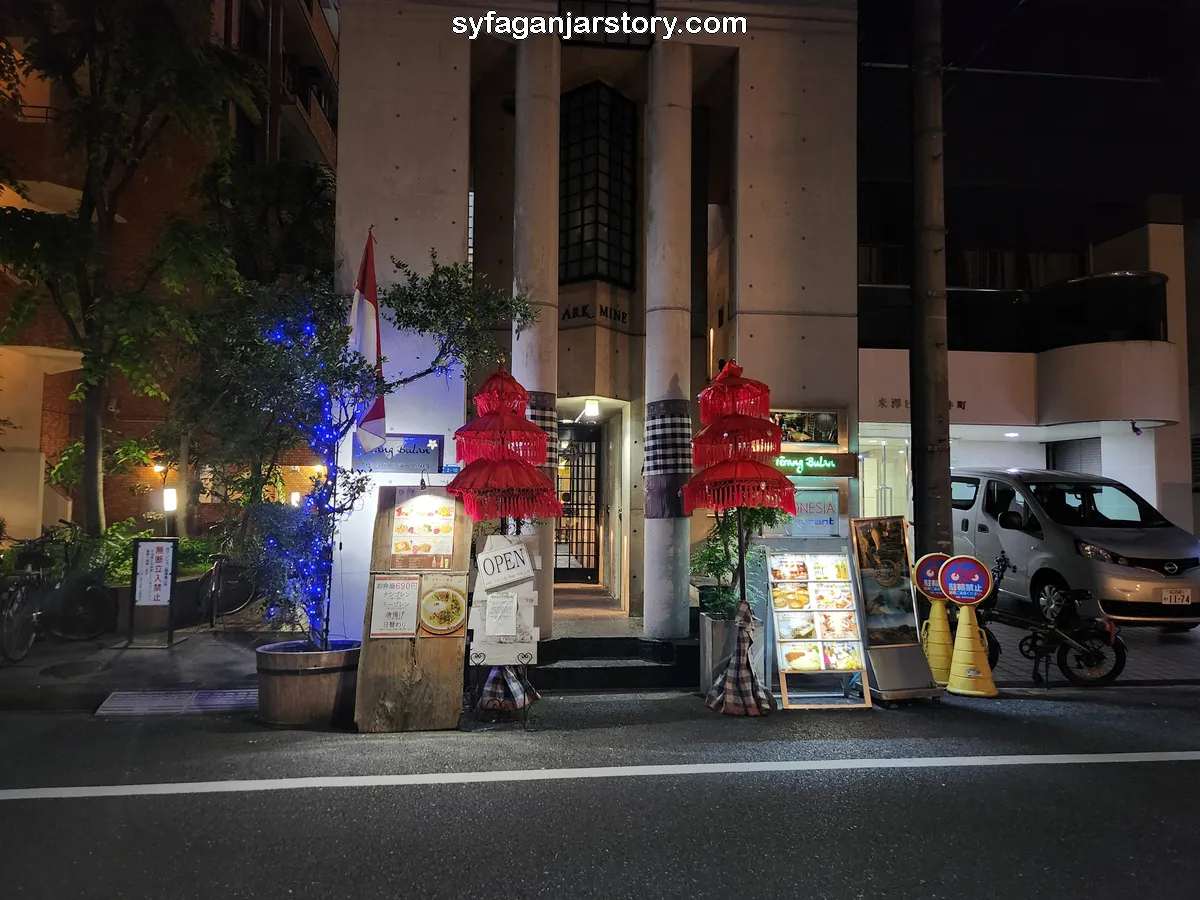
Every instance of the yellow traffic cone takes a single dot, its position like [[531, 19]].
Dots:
[[970, 674], [937, 641]]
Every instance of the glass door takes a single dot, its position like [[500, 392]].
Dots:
[[577, 534]]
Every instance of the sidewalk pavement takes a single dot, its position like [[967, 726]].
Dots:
[[79, 677]]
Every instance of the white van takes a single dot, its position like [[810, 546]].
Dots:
[[1064, 530]]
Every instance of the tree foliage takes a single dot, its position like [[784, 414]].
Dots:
[[717, 556], [456, 307], [130, 71]]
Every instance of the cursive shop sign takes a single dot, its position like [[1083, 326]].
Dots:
[[402, 453], [818, 465]]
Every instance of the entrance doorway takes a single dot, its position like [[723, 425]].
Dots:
[[577, 535]]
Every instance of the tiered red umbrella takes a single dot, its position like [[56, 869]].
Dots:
[[499, 481], [501, 448], [737, 446]]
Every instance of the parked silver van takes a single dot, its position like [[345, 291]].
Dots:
[[1065, 531]]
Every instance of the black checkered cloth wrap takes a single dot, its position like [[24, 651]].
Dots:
[[506, 691], [668, 457], [543, 412], [737, 691]]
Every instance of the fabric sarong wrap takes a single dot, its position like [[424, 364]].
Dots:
[[506, 691], [668, 457], [737, 691]]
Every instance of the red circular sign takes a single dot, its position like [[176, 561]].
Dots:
[[965, 580], [926, 571]]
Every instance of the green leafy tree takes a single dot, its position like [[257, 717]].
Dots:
[[132, 72], [456, 307]]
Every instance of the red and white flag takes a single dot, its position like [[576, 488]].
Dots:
[[364, 337]]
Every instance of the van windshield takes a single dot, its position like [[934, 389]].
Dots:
[[1095, 505]]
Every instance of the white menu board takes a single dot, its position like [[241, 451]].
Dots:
[[818, 623]]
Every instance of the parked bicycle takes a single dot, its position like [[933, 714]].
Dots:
[[55, 589], [228, 587], [1073, 630]]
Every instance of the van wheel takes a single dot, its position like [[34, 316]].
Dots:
[[1050, 596]]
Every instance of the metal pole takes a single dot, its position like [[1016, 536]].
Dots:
[[741, 556]]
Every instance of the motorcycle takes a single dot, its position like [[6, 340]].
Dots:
[[1074, 631]]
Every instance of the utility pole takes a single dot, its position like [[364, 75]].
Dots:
[[928, 369]]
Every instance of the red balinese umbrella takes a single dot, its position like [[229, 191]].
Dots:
[[505, 489], [501, 392], [729, 394], [737, 445], [748, 438], [501, 435], [737, 483]]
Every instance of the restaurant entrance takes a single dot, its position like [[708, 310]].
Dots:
[[577, 534]]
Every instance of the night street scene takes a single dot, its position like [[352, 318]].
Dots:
[[606, 450]]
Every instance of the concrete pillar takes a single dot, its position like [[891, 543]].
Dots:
[[668, 338], [535, 263]]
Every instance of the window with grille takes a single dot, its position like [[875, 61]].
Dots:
[[638, 11], [597, 187]]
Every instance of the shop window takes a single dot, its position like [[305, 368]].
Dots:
[[1002, 498], [963, 492], [597, 187], [641, 10]]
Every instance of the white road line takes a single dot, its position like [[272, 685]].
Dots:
[[730, 768]]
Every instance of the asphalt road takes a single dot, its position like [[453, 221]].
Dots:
[[556, 820]]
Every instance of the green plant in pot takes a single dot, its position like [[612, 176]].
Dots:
[[717, 557]]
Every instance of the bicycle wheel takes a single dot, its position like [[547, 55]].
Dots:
[[237, 590], [87, 612], [18, 623], [1097, 665]]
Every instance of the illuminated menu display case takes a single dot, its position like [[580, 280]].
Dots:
[[818, 622]]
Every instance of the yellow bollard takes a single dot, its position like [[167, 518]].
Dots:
[[938, 642], [967, 581]]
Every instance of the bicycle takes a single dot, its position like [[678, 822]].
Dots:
[[226, 588], [65, 597]]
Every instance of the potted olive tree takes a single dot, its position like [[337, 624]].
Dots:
[[716, 561]]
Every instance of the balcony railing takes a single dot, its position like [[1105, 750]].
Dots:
[[28, 113], [322, 34], [1120, 306]]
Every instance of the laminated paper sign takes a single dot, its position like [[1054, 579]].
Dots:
[[394, 606], [154, 566]]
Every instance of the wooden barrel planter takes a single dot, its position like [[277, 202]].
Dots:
[[302, 687]]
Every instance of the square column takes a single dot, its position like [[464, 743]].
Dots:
[[535, 265], [668, 463]]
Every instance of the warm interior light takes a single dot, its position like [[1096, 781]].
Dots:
[[295, 498], [169, 500], [591, 408], [160, 469]]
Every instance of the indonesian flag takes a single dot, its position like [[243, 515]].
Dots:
[[364, 337]]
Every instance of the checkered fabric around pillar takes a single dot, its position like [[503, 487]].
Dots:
[[506, 691], [737, 692], [543, 412], [668, 460]]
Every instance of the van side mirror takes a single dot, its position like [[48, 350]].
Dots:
[[1011, 521]]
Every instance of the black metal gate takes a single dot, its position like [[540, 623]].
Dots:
[[577, 536]]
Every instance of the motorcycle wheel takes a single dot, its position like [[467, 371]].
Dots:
[[1101, 665]]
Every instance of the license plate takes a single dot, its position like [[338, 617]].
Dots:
[[1177, 596]]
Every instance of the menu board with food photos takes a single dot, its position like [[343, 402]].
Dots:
[[818, 620], [423, 533]]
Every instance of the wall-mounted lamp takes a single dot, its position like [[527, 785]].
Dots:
[[160, 469], [591, 408], [295, 498], [320, 470]]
